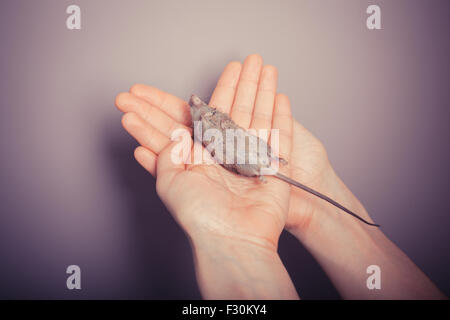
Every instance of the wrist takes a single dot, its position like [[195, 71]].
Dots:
[[215, 246], [233, 269], [321, 220], [204, 228]]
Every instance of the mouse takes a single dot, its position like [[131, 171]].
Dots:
[[237, 161]]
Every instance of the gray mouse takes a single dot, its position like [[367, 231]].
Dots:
[[211, 118]]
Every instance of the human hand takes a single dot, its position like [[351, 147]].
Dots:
[[207, 198], [308, 164], [233, 222]]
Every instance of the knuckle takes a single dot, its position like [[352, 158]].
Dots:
[[128, 120], [262, 116], [148, 113], [171, 127], [242, 108], [150, 138], [248, 81]]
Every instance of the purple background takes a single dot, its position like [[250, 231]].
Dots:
[[71, 192]]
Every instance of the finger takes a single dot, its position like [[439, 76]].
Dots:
[[282, 121], [147, 159], [127, 102], [223, 95], [242, 109], [175, 107], [265, 98], [144, 133], [167, 168]]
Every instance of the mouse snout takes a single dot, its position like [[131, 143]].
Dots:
[[195, 101]]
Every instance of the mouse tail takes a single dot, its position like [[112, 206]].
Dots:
[[324, 197]]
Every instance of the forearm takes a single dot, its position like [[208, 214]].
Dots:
[[345, 248], [230, 269]]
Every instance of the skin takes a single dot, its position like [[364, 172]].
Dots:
[[234, 231]]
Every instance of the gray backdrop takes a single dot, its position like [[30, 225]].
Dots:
[[71, 192]]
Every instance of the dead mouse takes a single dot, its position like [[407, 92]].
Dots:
[[211, 118]]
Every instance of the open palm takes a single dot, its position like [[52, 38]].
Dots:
[[207, 197]]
